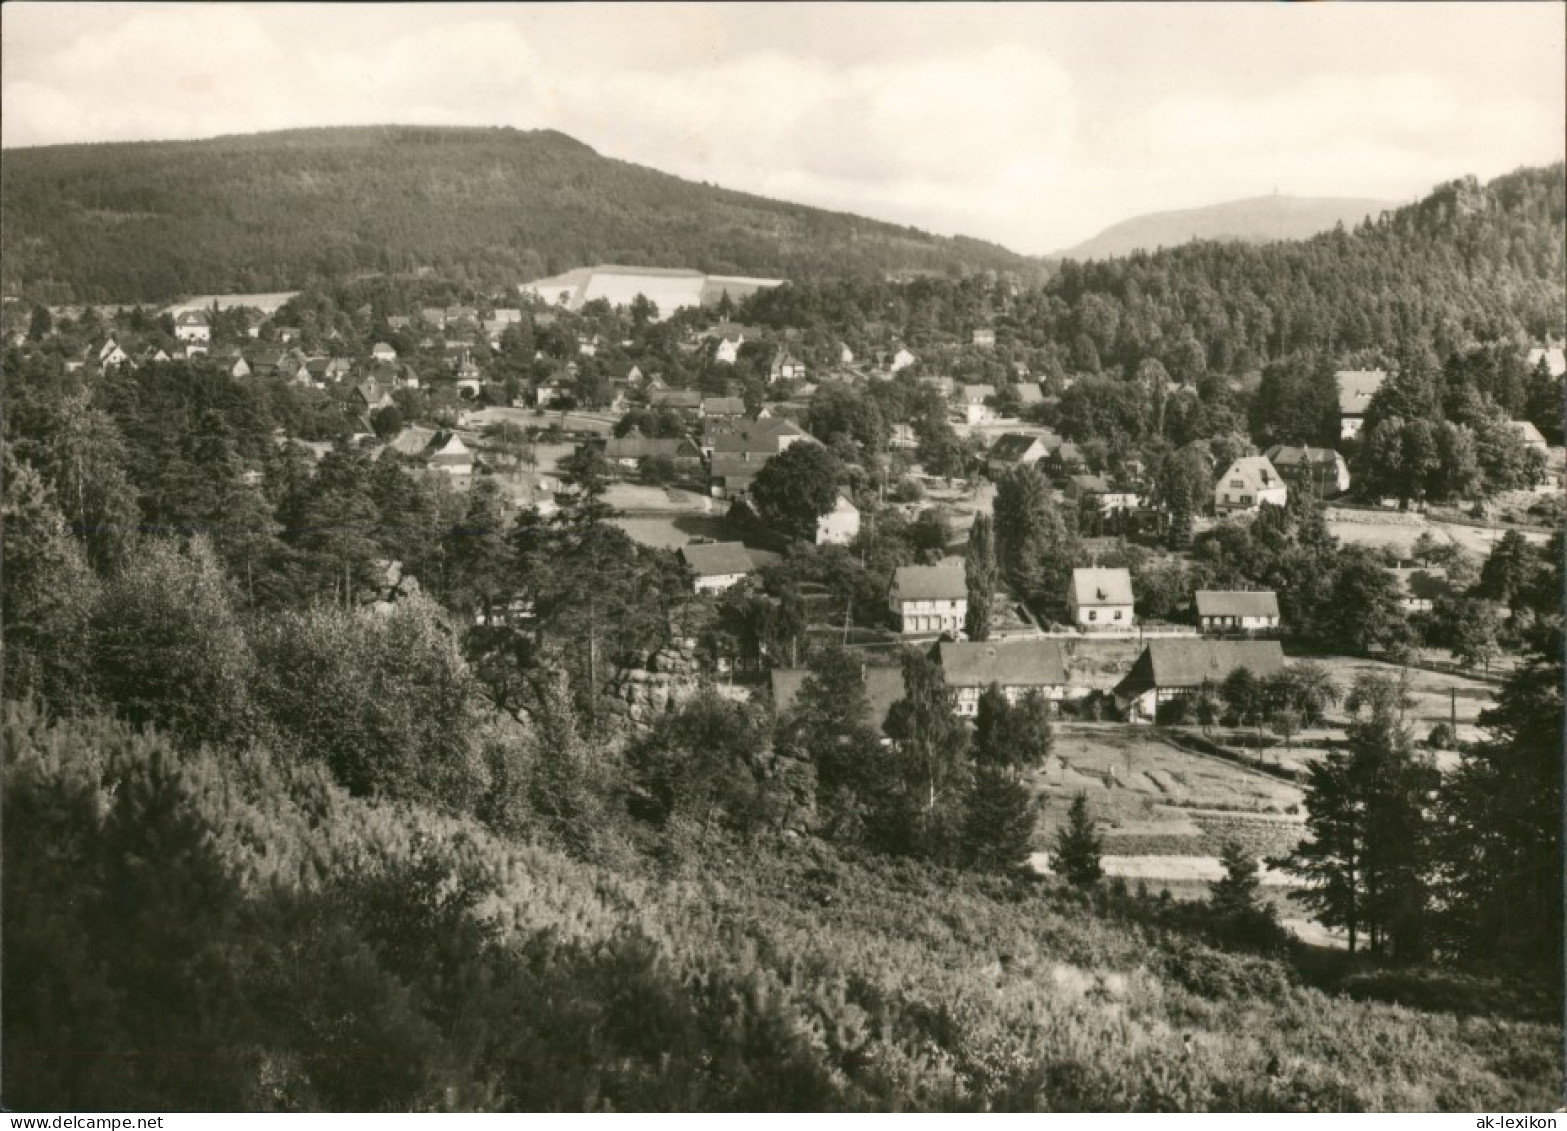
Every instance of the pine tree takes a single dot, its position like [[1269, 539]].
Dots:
[[1236, 894], [979, 571], [1078, 848], [998, 822]]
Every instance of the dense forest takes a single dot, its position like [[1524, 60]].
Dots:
[[150, 222], [1467, 265]]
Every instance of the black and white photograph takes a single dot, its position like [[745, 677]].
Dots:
[[781, 557]]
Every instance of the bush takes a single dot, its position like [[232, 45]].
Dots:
[[1442, 737]]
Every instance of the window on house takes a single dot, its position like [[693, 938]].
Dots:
[[1118, 614], [1093, 614]]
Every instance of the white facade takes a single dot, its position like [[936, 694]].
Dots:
[[839, 526], [1247, 484], [931, 616], [718, 583]]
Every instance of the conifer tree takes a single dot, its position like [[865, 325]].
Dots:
[[998, 821], [979, 572], [1078, 848]]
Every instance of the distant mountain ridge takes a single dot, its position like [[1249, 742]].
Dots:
[[1260, 219], [151, 221]]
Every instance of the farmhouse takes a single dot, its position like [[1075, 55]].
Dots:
[[1248, 483], [1016, 666], [1220, 610], [928, 598], [839, 526], [717, 565], [1100, 599], [1175, 668], [1319, 472], [453, 457], [785, 367], [1355, 389], [722, 408], [630, 450], [682, 400]]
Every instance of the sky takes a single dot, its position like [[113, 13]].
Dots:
[[1033, 125]]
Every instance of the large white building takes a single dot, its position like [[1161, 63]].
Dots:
[[669, 288]]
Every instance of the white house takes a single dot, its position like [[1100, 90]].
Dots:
[[902, 360], [1230, 610], [728, 351], [717, 565], [1555, 359], [985, 339], [453, 457], [1016, 666], [928, 598], [1355, 388], [111, 354], [839, 526], [1101, 599], [975, 410], [382, 352], [192, 326], [1248, 483]]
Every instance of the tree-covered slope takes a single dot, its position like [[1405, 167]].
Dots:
[[151, 221], [1261, 219]]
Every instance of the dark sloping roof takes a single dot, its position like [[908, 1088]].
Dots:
[[716, 559], [724, 406], [1287, 456], [883, 688], [1189, 661], [1236, 603], [929, 583], [1013, 446], [641, 447], [1011, 663]]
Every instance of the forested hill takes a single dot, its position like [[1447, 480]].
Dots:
[[1261, 219], [278, 211]]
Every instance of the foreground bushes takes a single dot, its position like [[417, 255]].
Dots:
[[234, 931]]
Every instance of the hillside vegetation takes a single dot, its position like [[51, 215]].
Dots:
[[267, 212], [328, 952], [1261, 219]]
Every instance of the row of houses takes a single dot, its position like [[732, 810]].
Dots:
[[1161, 672]]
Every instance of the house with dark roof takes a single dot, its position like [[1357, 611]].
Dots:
[[681, 400], [1067, 459], [1355, 390], [1016, 666], [1012, 449], [1232, 610], [192, 326], [717, 565], [1101, 599], [724, 408], [928, 599], [1319, 472], [883, 687], [630, 450], [785, 367], [1029, 394], [1173, 668]]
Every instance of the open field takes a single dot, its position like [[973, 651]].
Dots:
[[1164, 812], [1400, 529]]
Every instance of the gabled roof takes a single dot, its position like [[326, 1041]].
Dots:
[[411, 441], [1091, 484], [1527, 432], [724, 406], [1288, 456], [676, 398], [717, 559], [977, 394], [1011, 447], [1257, 472], [641, 447], [1028, 392], [1355, 387], [1098, 586], [929, 583], [1189, 661], [883, 688], [1011, 663], [454, 451], [1237, 603], [734, 467]]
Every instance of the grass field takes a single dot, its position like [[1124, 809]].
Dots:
[[1400, 530]]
